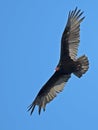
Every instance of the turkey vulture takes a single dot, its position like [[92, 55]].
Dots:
[[68, 62]]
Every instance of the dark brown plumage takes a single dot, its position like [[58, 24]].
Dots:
[[68, 62]]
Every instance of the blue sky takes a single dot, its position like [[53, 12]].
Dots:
[[30, 33]]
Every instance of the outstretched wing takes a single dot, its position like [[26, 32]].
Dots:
[[71, 35], [49, 91]]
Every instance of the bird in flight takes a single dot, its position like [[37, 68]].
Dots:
[[68, 63]]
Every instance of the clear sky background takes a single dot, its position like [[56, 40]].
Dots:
[[30, 33]]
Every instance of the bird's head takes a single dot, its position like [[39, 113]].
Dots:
[[57, 68]]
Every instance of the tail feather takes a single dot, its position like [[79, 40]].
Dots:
[[84, 65]]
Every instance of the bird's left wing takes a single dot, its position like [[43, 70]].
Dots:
[[71, 35], [49, 91]]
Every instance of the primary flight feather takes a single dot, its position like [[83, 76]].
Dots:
[[68, 62]]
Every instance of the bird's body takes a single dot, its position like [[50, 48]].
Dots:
[[68, 62], [68, 66]]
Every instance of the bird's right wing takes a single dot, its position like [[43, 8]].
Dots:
[[49, 91]]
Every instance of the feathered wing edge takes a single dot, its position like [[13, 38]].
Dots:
[[49, 94]]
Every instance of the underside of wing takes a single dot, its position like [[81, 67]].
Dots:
[[49, 91], [71, 35]]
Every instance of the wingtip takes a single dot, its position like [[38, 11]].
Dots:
[[77, 13], [39, 111], [40, 108], [31, 107]]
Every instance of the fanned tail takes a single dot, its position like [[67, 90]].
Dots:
[[84, 65]]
